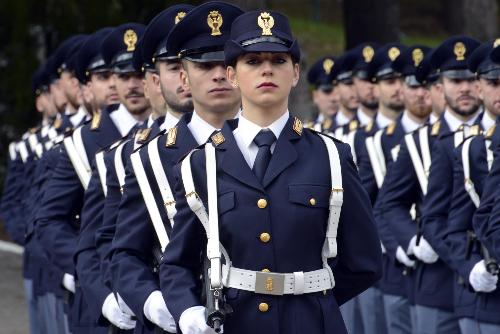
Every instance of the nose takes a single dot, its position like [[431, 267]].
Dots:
[[219, 73]]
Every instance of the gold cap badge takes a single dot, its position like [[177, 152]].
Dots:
[[496, 42], [393, 53], [218, 138], [179, 17], [328, 65], [266, 22], [214, 21], [297, 126], [417, 56], [171, 136], [130, 39], [368, 53], [459, 51]]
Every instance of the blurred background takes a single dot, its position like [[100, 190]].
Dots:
[[30, 30]]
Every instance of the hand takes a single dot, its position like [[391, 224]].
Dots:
[[157, 312], [193, 321], [481, 280], [115, 315], [411, 246], [424, 252], [69, 282], [123, 306], [403, 258]]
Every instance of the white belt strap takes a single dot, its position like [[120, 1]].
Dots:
[[489, 153], [52, 133], [149, 200], [12, 151], [378, 165], [101, 170], [23, 151], [80, 168], [425, 149], [417, 162], [33, 141], [161, 180], [80, 147], [350, 140], [469, 185], [119, 167], [39, 150], [458, 138]]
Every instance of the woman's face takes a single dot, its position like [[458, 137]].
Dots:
[[265, 79]]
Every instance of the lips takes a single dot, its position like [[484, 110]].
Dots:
[[267, 84], [218, 90]]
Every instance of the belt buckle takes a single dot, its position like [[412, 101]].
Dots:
[[269, 283]]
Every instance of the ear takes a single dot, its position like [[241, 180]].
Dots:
[[185, 79], [480, 90], [296, 74], [156, 81], [145, 88], [39, 104], [231, 76]]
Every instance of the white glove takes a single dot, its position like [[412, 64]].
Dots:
[[115, 315], [69, 282], [481, 280], [424, 252], [411, 246], [403, 258], [192, 321], [157, 312], [123, 306]]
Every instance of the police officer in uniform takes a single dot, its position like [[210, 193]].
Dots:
[[263, 192]]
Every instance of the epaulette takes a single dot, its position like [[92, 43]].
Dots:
[[171, 137], [161, 133], [353, 125], [96, 121], [369, 126], [142, 135], [318, 133], [435, 128], [490, 132], [297, 126], [390, 129]]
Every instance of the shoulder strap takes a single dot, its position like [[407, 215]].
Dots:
[[102, 170], [425, 149], [80, 147], [12, 151], [162, 180], [350, 140], [119, 167], [149, 199], [23, 151], [469, 185], [80, 168], [377, 165], [417, 162], [33, 141], [489, 153]]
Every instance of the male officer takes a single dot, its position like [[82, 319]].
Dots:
[[64, 195], [144, 216], [325, 95], [435, 301], [473, 160]]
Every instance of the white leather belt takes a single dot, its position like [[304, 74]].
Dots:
[[270, 283]]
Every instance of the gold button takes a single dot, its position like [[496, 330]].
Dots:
[[265, 270], [265, 237], [312, 201], [263, 307], [262, 203]]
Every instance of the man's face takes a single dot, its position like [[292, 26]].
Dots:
[[437, 98], [102, 87], [367, 93], [347, 96], [131, 92], [327, 100], [177, 97], [390, 93], [417, 101], [152, 92], [209, 86], [490, 94], [45, 104], [461, 95], [58, 96], [71, 88]]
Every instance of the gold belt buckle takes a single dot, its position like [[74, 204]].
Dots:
[[269, 283]]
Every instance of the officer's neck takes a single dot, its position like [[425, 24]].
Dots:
[[349, 114], [263, 115], [389, 112], [216, 117], [368, 112], [70, 109]]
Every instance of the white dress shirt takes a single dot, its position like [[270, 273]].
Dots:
[[341, 119], [487, 121], [409, 125], [123, 120], [363, 118], [454, 122], [246, 131], [78, 117], [433, 118], [382, 121], [200, 129], [169, 122]]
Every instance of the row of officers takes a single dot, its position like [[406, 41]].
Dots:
[[168, 188]]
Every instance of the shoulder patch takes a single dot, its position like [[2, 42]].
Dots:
[[142, 135], [96, 121], [490, 131], [218, 138], [297, 126], [171, 137], [435, 128], [390, 129]]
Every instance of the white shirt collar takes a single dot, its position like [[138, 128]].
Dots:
[[487, 121], [247, 130], [433, 118], [320, 118], [382, 121], [150, 121], [341, 119], [123, 120], [363, 118], [77, 117], [200, 129], [409, 125], [454, 123], [169, 122], [67, 111]]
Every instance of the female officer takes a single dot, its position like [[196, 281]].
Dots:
[[276, 210]]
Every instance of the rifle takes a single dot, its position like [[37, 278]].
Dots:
[[216, 307]]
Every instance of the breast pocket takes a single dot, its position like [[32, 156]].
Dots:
[[226, 202], [309, 195]]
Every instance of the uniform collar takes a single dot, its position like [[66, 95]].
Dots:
[[454, 123], [320, 118], [169, 122], [363, 118], [382, 121], [433, 118], [247, 130], [341, 119], [123, 120], [150, 121], [200, 129], [78, 117], [409, 125], [487, 121]]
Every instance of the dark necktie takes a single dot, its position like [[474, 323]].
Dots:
[[264, 139]]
